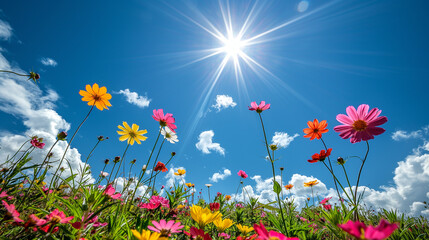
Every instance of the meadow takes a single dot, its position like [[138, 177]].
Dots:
[[39, 202]]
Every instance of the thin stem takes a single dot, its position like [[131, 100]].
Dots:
[[330, 165], [357, 183], [6, 71], [122, 160], [265, 136], [68, 145], [339, 183], [348, 182], [312, 195], [154, 162]]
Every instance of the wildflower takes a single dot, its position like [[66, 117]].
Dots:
[[239, 205], [315, 129], [146, 235], [93, 221], [37, 142], [259, 108], [273, 147], [208, 185], [11, 212], [203, 216], [33, 221], [340, 161], [263, 214], [311, 183], [169, 135], [62, 136], [154, 202], [214, 206], [199, 234], [131, 134], [180, 172], [320, 157], [33, 76], [57, 216], [289, 186], [189, 185], [361, 231], [96, 96], [160, 167], [242, 174], [360, 124], [327, 206], [222, 225], [265, 235], [227, 197], [244, 229], [110, 191], [325, 200], [104, 174], [164, 120], [224, 235], [165, 228]]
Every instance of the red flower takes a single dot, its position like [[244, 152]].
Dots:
[[160, 167], [196, 233], [164, 120], [259, 108], [110, 191], [320, 157], [58, 217], [214, 206], [11, 212], [360, 230]]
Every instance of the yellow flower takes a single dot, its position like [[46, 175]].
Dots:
[[204, 216], [223, 224], [244, 229], [311, 183], [147, 235], [181, 206], [96, 96], [189, 185], [180, 172], [131, 134]]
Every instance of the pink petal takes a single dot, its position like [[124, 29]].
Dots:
[[362, 111], [378, 121], [254, 105], [342, 128], [375, 130], [169, 224], [266, 107], [347, 134], [351, 111], [153, 229], [372, 114], [262, 104], [344, 119]]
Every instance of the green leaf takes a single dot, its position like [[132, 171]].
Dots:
[[277, 188]]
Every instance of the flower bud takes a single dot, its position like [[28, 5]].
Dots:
[[340, 161], [101, 138], [282, 168], [34, 76], [273, 147], [144, 167], [133, 161], [173, 154], [106, 161], [50, 154], [117, 159], [62, 136]]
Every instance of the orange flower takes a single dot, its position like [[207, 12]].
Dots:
[[227, 197], [315, 129], [289, 187], [311, 183], [96, 96]]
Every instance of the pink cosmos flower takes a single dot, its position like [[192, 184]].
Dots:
[[34, 222], [154, 202], [11, 212], [360, 124], [57, 216], [259, 108], [3, 194], [165, 228], [110, 191], [93, 221], [164, 120], [239, 205], [224, 235], [327, 206], [242, 174], [360, 230], [263, 233], [325, 200], [37, 142]]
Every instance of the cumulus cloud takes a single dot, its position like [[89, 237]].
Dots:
[[35, 108], [205, 143], [5, 30], [282, 139], [223, 102], [134, 98], [403, 135], [220, 176], [48, 62], [126, 186]]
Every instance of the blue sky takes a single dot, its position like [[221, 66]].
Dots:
[[324, 57]]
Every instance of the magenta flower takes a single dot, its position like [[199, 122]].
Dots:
[[11, 212], [37, 142], [154, 202], [110, 191], [325, 200], [58, 216], [361, 231], [93, 221], [327, 207], [196, 233], [259, 108], [360, 124], [263, 233], [164, 120], [242, 174], [224, 235], [3, 194], [165, 228]]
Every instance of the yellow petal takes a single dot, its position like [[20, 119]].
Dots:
[[143, 138], [122, 128], [126, 126], [85, 93], [95, 88], [121, 133], [142, 132], [89, 90], [137, 140], [136, 234], [102, 91], [131, 141], [135, 127], [123, 138]]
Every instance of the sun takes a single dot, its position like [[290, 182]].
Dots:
[[233, 47]]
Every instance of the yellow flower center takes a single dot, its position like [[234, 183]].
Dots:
[[359, 125], [164, 232], [55, 219], [167, 135]]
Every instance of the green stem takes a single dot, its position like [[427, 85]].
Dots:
[[357, 183], [330, 165], [154, 162], [348, 182], [68, 145], [6, 71], [122, 160]]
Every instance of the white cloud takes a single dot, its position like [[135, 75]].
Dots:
[[48, 62], [134, 98], [130, 185], [223, 102], [27, 102], [403, 135], [205, 143], [282, 139], [220, 176], [5, 30]]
